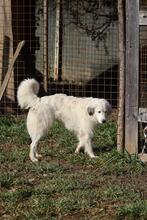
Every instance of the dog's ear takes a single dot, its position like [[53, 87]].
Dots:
[[90, 110], [108, 107]]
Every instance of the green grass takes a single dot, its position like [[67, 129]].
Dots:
[[136, 210], [64, 185]]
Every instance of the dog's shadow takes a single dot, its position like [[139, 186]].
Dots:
[[99, 150], [102, 149]]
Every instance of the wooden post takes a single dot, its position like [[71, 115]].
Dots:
[[132, 76], [57, 28], [120, 126], [1, 39], [45, 46]]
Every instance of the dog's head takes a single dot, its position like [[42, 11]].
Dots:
[[99, 109]]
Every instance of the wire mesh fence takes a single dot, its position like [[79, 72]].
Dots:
[[70, 47], [143, 57], [142, 75], [143, 66]]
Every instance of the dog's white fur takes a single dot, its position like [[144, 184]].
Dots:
[[79, 115]]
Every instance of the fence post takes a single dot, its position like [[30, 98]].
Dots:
[[120, 125], [132, 76]]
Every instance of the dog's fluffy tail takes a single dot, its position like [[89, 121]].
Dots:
[[27, 93]]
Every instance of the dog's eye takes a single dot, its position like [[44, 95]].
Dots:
[[99, 112]]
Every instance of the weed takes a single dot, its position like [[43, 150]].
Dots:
[[121, 164], [117, 192], [6, 181]]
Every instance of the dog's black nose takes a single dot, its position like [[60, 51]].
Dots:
[[104, 121]]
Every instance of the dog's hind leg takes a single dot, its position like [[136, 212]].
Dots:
[[38, 122], [38, 155], [33, 150]]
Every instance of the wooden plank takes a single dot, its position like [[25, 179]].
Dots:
[[132, 78], [57, 28], [1, 39], [8, 74], [120, 121], [45, 46], [8, 54]]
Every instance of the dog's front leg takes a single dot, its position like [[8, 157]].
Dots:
[[88, 147], [79, 147]]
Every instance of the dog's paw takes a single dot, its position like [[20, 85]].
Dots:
[[38, 155], [34, 159], [93, 156]]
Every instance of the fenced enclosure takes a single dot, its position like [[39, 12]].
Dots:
[[84, 48], [78, 48], [70, 47]]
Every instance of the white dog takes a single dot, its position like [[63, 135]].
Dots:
[[79, 115]]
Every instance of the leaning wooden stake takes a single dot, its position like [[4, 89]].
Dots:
[[120, 128], [10, 68]]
